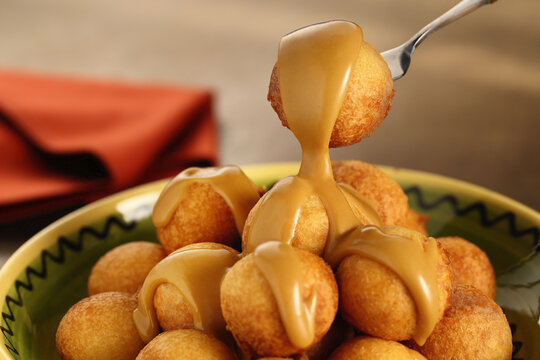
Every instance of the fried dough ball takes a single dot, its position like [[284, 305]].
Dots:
[[125, 267], [100, 327], [296, 357], [172, 309], [374, 299], [471, 266], [415, 221], [251, 311], [366, 103], [339, 332], [383, 192], [369, 348], [311, 230], [473, 328], [185, 345], [203, 215]]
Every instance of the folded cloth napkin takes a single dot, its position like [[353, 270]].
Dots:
[[67, 141]]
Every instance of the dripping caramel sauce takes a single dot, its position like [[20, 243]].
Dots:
[[314, 65]]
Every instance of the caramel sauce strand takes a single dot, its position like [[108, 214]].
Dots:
[[280, 266], [197, 274], [238, 191], [414, 260]]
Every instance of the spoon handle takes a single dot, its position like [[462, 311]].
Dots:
[[399, 58], [459, 10]]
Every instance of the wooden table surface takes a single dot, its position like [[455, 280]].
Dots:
[[469, 107]]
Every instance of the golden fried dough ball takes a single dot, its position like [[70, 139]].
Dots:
[[251, 311], [375, 300], [311, 230], [172, 309], [202, 215], [471, 266], [383, 192], [473, 328], [366, 103], [100, 327], [296, 357], [414, 221], [125, 267], [370, 348], [185, 345], [339, 332]]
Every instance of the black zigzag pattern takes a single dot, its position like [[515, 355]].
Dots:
[[481, 209], [63, 244]]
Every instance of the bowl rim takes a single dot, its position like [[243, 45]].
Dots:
[[42, 240]]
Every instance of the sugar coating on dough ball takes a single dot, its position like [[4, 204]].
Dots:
[[125, 267], [185, 345], [473, 328], [470, 265], [251, 311], [375, 300], [201, 216], [100, 327], [367, 100], [370, 348]]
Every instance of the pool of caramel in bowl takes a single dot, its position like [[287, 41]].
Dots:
[[314, 65]]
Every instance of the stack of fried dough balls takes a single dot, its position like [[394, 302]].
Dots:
[[362, 293], [101, 326]]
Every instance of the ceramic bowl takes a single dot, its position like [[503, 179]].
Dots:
[[49, 272]]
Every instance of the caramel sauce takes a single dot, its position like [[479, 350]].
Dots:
[[412, 258], [314, 65], [197, 274], [239, 192], [277, 261]]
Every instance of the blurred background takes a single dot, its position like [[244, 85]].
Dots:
[[469, 107]]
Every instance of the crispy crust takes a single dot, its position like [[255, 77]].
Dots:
[[203, 215], [470, 265], [172, 309], [369, 348], [251, 311], [125, 267], [367, 101], [377, 302], [473, 328], [185, 345], [100, 327]]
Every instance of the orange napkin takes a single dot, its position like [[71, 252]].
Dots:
[[66, 141]]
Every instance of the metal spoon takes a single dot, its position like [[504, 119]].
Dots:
[[399, 58]]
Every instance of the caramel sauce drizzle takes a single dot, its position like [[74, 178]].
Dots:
[[277, 261], [239, 192], [314, 65], [197, 274]]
